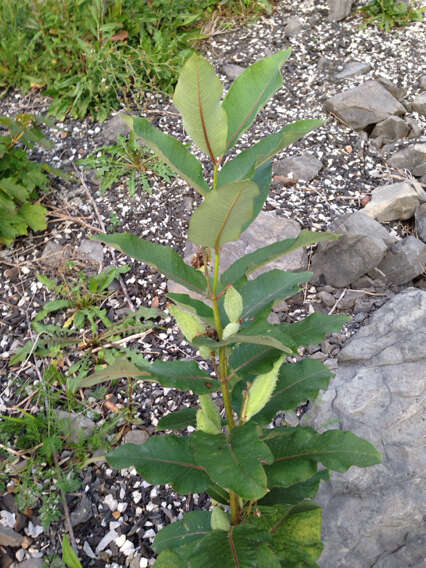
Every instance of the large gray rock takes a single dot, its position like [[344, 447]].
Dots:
[[374, 516], [365, 105], [420, 221], [419, 104], [339, 9], [304, 167], [390, 129], [404, 261], [265, 230], [359, 224], [412, 158], [352, 69], [395, 201], [338, 263]]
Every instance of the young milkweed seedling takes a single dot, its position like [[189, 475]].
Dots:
[[261, 478]]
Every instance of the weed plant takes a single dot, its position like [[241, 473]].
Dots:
[[22, 180], [387, 14], [90, 54], [73, 326], [126, 161], [261, 478]]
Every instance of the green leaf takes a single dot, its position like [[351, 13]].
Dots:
[[297, 382], [183, 375], [249, 359], [34, 215], [198, 97], [193, 527], [250, 92], [162, 258], [268, 288], [223, 214], [261, 390], [220, 520], [189, 324], [120, 368], [13, 189], [296, 533], [262, 178], [178, 420], [163, 459], [171, 151], [233, 304], [197, 307], [230, 329], [236, 462], [260, 257], [267, 335], [68, 555], [208, 417], [240, 547], [296, 493], [335, 449], [245, 163], [169, 559], [314, 328], [218, 494]]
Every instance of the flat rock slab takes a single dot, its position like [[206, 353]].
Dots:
[[265, 230], [395, 201], [374, 516], [365, 105]]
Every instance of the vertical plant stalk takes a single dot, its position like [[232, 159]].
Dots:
[[223, 377]]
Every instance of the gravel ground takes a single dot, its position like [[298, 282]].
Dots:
[[126, 511]]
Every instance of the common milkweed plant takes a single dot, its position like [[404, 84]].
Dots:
[[260, 478]]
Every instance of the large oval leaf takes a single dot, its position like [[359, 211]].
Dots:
[[197, 96], [234, 463], [163, 459], [223, 214], [250, 92]]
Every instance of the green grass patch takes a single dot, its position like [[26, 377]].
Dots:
[[90, 54]]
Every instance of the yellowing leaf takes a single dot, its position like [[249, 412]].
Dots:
[[261, 390], [233, 304]]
